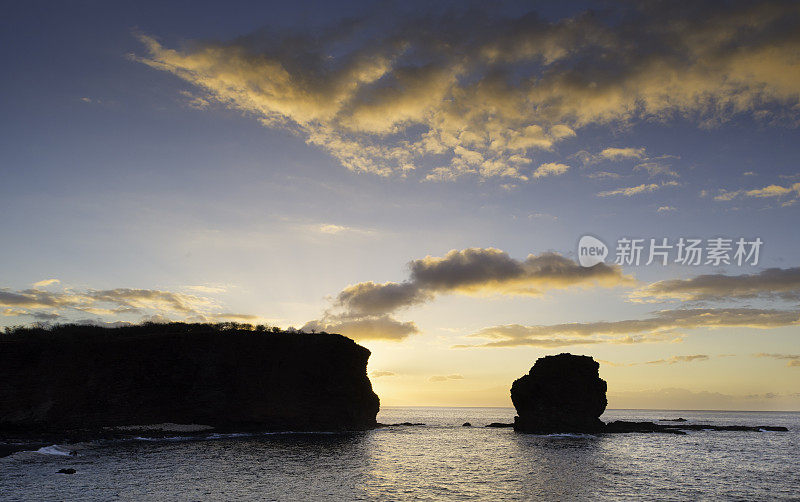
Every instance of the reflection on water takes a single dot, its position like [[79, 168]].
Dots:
[[560, 467], [440, 461]]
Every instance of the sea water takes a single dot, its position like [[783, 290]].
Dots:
[[441, 460]]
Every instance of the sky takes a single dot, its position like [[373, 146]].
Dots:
[[418, 176]]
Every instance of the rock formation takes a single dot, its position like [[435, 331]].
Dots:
[[86, 377], [562, 393]]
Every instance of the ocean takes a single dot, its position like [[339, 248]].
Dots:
[[441, 460]]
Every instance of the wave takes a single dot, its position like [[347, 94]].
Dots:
[[54, 449], [225, 435], [569, 435]]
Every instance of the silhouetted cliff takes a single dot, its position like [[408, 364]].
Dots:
[[88, 377]]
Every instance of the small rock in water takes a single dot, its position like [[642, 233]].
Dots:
[[499, 424], [466, 424], [66, 471]]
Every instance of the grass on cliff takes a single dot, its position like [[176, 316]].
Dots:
[[41, 331]]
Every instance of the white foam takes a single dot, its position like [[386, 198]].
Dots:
[[165, 427], [230, 435], [53, 449], [218, 435], [172, 438], [569, 435]]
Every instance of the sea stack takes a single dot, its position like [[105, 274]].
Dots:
[[562, 393], [84, 377]]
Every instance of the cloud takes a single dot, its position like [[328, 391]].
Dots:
[[550, 169], [489, 270], [765, 192], [659, 327], [196, 102], [102, 302], [149, 303], [680, 359], [230, 316], [207, 289], [34, 298], [150, 299], [781, 283], [45, 283], [656, 167], [14, 312], [725, 195], [478, 271], [373, 327], [622, 153], [683, 399], [379, 374], [371, 298], [444, 378], [470, 93], [362, 310], [604, 174], [38, 315], [665, 209], [774, 191], [333, 229], [669, 360], [792, 359], [636, 190]]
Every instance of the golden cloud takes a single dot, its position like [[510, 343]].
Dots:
[[770, 283], [483, 95], [659, 327], [636, 190], [792, 360], [622, 153], [50, 305]]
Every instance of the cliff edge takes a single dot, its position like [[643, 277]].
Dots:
[[84, 377]]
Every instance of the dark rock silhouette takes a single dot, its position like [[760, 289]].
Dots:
[[499, 425], [84, 377], [466, 424], [67, 471], [562, 393], [621, 426]]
